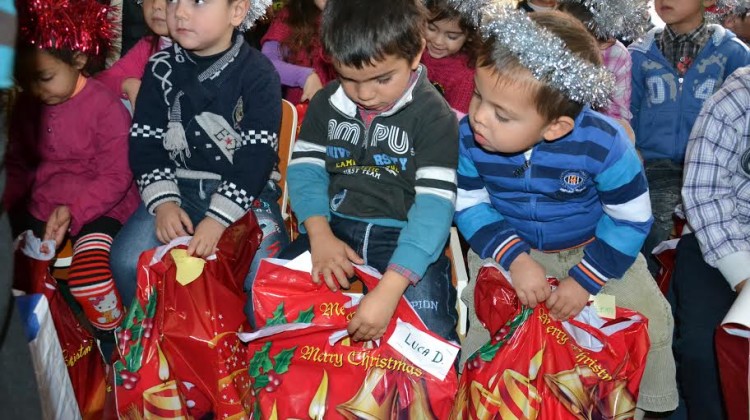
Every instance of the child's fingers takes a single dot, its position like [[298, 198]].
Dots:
[[186, 222], [341, 276], [353, 256], [552, 301], [353, 325], [522, 297], [328, 278]]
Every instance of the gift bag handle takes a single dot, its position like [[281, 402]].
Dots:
[[595, 332], [181, 241]]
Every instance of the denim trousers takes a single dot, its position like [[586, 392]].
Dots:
[[139, 235], [433, 297], [702, 298], [664, 185]]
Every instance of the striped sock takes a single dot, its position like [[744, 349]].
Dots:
[[91, 283]]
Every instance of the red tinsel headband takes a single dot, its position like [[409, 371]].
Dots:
[[76, 25]]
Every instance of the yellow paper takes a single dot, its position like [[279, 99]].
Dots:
[[188, 268], [605, 306]]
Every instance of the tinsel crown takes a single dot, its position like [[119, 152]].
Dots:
[[85, 26], [256, 11], [626, 19], [545, 55]]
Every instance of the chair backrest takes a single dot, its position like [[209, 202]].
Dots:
[[287, 135]]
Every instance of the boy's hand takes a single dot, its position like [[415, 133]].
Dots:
[[567, 300], [57, 225], [172, 222], [529, 280], [376, 308], [207, 235], [312, 86], [332, 258]]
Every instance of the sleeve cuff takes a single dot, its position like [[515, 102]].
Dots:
[[410, 275], [159, 192], [224, 210], [735, 267], [409, 261], [509, 250], [588, 277]]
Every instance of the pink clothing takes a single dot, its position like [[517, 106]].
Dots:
[[132, 64], [617, 60], [454, 75], [74, 154]]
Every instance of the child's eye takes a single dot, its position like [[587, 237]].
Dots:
[[384, 80], [46, 78], [501, 118], [431, 27], [200, 1], [453, 37]]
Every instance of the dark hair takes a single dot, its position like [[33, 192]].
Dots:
[[550, 102], [360, 32], [24, 51], [442, 10], [582, 13], [303, 17]]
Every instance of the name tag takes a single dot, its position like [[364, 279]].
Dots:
[[425, 351], [604, 305]]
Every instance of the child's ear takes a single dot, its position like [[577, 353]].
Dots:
[[418, 57], [80, 60], [239, 10], [559, 127]]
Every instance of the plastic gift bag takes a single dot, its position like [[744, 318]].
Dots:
[[313, 369], [56, 394], [284, 295], [86, 367], [537, 368], [733, 353], [170, 364]]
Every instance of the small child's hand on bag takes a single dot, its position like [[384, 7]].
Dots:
[[567, 300]]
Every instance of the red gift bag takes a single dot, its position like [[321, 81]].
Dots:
[[313, 370], [85, 363], [538, 368], [733, 353], [171, 365], [282, 295]]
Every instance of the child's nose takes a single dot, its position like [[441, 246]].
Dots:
[[365, 92]]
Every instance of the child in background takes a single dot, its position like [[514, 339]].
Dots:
[[530, 6], [372, 177], [608, 20], [124, 77], [547, 186], [204, 138], [450, 54], [293, 45], [674, 70], [68, 172], [713, 263]]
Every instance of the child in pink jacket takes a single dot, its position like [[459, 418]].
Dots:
[[67, 159]]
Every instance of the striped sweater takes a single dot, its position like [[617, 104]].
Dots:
[[587, 188]]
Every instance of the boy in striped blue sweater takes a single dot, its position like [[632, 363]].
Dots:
[[547, 186]]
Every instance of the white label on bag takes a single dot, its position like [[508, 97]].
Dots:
[[427, 352]]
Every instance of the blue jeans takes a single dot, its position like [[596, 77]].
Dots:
[[433, 297], [138, 233], [664, 184], [702, 298]]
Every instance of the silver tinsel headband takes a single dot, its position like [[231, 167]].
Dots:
[[626, 19], [546, 55], [256, 11]]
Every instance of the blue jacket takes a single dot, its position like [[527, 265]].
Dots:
[[665, 105], [585, 188]]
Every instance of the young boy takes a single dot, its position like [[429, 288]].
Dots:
[[204, 137], [529, 6], [713, 263], [372, 176], [674, 71], [546, 186]]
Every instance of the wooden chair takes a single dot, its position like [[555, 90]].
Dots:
[[287, 136]]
